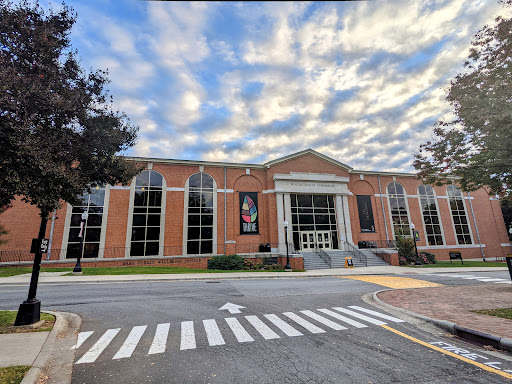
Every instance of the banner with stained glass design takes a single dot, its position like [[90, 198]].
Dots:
[[249, 213]]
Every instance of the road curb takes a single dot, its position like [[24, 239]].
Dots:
[[54, 364], [498, 342]]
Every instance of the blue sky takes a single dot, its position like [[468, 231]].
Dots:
[[361, 82]]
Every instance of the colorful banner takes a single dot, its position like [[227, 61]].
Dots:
[[249, 213]]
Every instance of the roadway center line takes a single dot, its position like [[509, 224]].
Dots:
[[448, 353]]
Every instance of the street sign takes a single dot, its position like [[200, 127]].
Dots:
[[39, 245]]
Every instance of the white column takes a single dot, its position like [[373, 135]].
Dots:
[[280, 221], [346, 217], [288, 216], [339, 219]]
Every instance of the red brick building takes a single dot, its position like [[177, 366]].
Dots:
[[181, 212]]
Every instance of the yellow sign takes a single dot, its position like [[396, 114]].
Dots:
[[348, 262]]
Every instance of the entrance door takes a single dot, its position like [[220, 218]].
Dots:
[[312, 239]]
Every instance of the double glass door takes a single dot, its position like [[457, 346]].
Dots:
[[312, 239]]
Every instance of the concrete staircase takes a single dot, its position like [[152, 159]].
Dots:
[[313, 261]]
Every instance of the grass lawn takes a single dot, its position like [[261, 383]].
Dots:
[[13, 271], [13, 375], [7, 319], [467, 263], [156, 270], [506, 313]]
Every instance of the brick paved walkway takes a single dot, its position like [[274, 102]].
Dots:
[[455, 303]]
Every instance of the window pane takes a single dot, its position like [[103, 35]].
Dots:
[[97, 197], [206, 219], [153, 220], [79, 209], [304, 200], [206, 246], [91, 250], [194, 181], [194, 220], [73, 235], [320, 201], [193, 233], [94, 220], [138, 234], [194, 199], [142, 180], [155, 179], [139, 220], [206, 233], [155, 198], [193, 247], [305, 219], [73, 251], [152, 248], [207, 181], [153, 233], [140, 199], [321, 219], [92, 234], [75, 220], [137, 249], [206, 199]]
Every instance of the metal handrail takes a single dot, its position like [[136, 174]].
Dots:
[[356, 253], [324, 255]]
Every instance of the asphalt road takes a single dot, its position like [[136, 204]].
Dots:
[[202, 344]]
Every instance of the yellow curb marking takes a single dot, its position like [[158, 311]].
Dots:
[[465, 359], [393, 281]]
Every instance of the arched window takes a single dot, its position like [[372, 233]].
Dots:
[[398, 209], [147, 214], [429, 210], [200, 214], [459, 215], [93, 204]]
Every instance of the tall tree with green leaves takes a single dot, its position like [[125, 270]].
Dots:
[[59, 133], [476, 146]]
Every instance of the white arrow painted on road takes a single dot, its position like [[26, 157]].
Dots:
[[232, 308]]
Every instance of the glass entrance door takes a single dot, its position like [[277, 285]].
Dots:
[[312, 239]]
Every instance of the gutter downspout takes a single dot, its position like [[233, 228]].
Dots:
[[383, 211], [476, 227], [51, 236], [225, 205]]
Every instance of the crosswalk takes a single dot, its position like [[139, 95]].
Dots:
[[245, 329], [473, 277]]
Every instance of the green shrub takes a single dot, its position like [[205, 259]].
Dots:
[[226, 262], [405, 248], [427, 258]]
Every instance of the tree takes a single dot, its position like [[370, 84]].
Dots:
[[59, 134], [476, 146]]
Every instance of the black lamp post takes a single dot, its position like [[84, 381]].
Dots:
[[417, 262], [287, 266], [78, 267]]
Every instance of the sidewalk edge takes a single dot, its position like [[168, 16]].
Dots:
[[503, 343], [55, 360]]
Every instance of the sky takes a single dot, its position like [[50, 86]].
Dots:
[[247, 82]]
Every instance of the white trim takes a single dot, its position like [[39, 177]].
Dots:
[[129, 222], [340, 221], [65, 232], [506, 244], [201, 168], [413, 196], [379, 195], [265, 191], [406, 206], [225, 190], [175, 189], [452, 246], [442, 197], [308, 176], [346, 218], [438, 217], [468, 198], [280, 221], [247, 171], [125, 187], [493, 198], [361, 177], [288, 215]]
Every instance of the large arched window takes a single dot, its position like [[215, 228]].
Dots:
[[200, 214], [459, 215], [398, 209], [147, 214], [429, 210]]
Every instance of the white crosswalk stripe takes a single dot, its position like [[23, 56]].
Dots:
[[160, 339], [130, 343], [378, 314], [82, 336], [356, 324], [92, 354], [262, 328], [240, 333], [324, 321], [283, 326], [213, 332], [188, 336], [304, 323], [483, 279], [488, 279], [359, 316]]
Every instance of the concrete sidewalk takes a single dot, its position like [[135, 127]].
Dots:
[[58, 278]]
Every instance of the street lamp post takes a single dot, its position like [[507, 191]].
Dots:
[[287, 267], [417, 262], [78, 267]]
